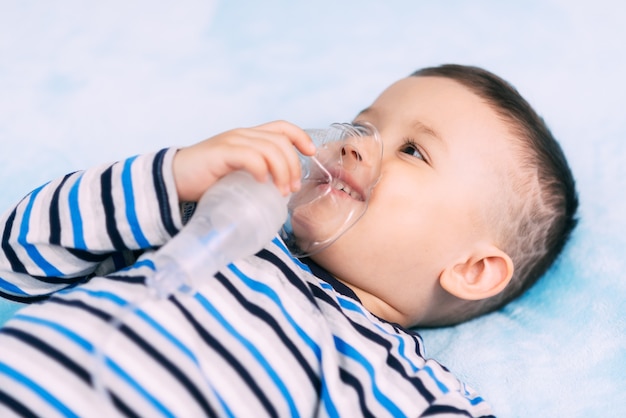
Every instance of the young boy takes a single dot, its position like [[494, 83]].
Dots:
[[474, 203]]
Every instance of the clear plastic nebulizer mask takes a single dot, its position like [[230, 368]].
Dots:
[[337, 183]]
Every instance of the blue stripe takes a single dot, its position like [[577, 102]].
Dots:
[[129, 198], [31, 250], [41, 392], [251, 349], [147, 318], [326, 286], [443, 388], [146, 262], [11, 288], [350, 305], [264, 289], [159, 328], [280, 244], [346, 349], [473, 401], [270, 293], [327, 402], [476, 400], [87, 346], [225, 407], [133, 383], [77, 221]]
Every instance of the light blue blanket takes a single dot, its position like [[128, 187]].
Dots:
[[85, 83]]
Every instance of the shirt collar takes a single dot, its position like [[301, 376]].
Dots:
[[323, 274]]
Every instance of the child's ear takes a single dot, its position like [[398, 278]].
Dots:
[[484, 274]]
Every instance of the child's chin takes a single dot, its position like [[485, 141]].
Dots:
[[321, 222], [310, 236]]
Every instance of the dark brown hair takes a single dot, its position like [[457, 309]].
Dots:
[[540, 208]]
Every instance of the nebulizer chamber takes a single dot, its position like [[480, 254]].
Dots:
[[235, 218], [238, 216]]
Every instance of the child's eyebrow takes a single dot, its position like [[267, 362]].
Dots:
[[421, 127], [364, 112], [417, 125]]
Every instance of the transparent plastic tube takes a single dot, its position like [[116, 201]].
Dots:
[[235, 218]]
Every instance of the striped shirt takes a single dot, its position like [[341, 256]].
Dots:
[[268, 335]]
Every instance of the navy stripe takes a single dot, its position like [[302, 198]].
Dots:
[[161, 193], [58, 280], [378, 339], [417, 339], [293, 278], [435, 410], [126, 279], [87, 256], [120, 260], [216, 345], [16, 264], [36, 389], [148, 348], [393, 361], [50, 351], [325, 297], [31, 249], [65, 361], [352, 381], [413, 334], [275, 326], [55, 218], [23, 299], [122, 406], [109, 209], [348, 350], [15, 406]]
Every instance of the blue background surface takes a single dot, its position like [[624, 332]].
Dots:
[[84, 83]]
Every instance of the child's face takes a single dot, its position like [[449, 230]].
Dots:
[[444, 151]]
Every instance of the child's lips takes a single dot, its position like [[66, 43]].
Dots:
[[347, 189], [342, 182]]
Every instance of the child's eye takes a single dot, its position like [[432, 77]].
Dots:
[[410, 147]]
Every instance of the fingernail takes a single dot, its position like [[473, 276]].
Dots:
[[295, 185]]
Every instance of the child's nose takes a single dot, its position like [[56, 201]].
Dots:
[[350, 157]]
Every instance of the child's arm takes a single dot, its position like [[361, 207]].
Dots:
[[61, 232]]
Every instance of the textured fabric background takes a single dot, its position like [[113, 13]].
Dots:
[[89, 83]]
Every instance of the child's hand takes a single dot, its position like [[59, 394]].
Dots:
[[265, 150]]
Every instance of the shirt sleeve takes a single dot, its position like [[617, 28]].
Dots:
[[61, 232]]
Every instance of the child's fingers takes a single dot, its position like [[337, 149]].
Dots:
[[287, 136], [295, 134], [279, 157], [266, 150]]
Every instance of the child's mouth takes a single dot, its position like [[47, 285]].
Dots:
[[337, 184]]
